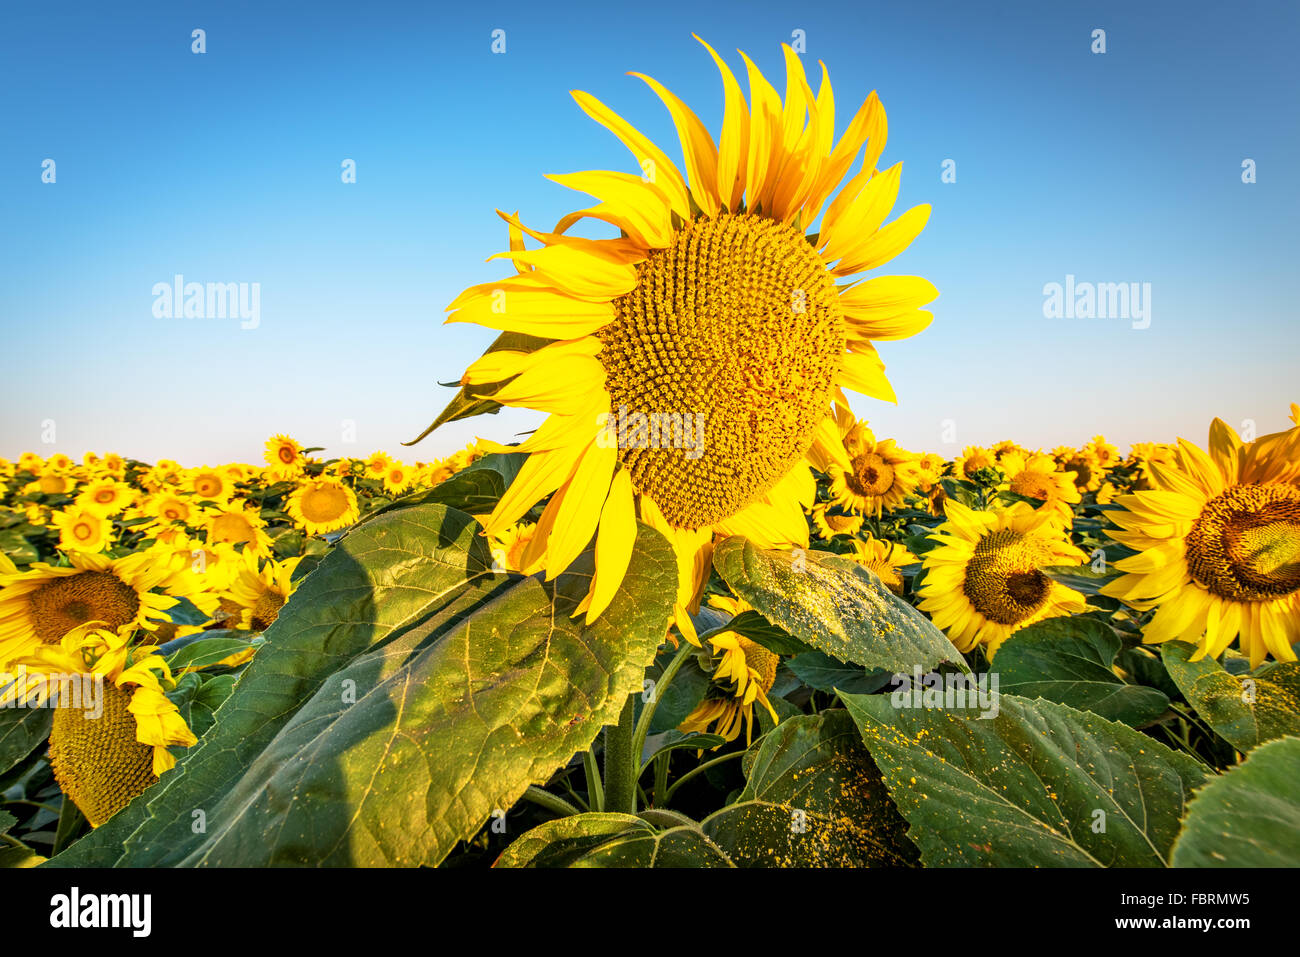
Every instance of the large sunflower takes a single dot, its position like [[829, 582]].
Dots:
[[983, 581], [41, 605], [689, 366], [1219, 543], [103, 760]]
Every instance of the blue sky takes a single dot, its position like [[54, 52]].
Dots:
[[225, 167]]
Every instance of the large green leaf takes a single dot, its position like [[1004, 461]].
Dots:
[[813, 799], [834, 605], [404, 693], [22, 731], [475, 489], [1248, 817], [1244, 711], [612, 840], [1037, 785], [1071, 660]]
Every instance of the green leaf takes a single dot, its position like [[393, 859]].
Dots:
[[22, 731], [826, 674], [1244, 711], [657, 744], [1081, 578], [1028, 787], [757, 628], [1070, 660], [208, 650], [834, 605], [7, 821], [18, 548], [612, 840], [1248, 817], [475, 489], [404, 693], [464, 405], [813, 799]]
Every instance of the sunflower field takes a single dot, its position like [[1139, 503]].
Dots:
[[701, 616]]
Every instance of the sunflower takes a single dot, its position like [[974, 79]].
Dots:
[[114, 465], [59, 462], [1102, 452], [234, 526], [884, 559], [509, 547], [1035, 475], [831, 523], [1087, 470], [106, 496], [170, 509], [42, 604], [164, 472], [377, 465], [972, 459], [929, 469], [104, 760], [284, 458], [744, 674], [51, 481], [30, 462], [322, 505], [82, 530], [260, 592], [713, 322], [1219, 546], [983, 580], [879, 475], [397, 478], [209, 485]]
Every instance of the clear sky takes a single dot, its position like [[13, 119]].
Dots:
[[225, 167]]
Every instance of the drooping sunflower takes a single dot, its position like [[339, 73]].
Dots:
[[1036, 476], [42, 604], [744, 674], [237, 525], [322, 505], [104, 757], [983, 580], [283, 457], [106, 496], [884, 559], [830, 522], [929, 469], [1219, 543], [715, 320], [973, 459], [879, 474], [259, 591], [83, 530]]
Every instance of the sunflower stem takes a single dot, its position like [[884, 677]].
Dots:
[[553, 803], [621, 762], [595, 790], [649, 704]]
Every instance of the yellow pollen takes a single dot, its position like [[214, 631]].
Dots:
[[736, 327]]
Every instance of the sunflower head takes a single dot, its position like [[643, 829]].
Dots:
[[284, 458], [83, 530], [984, 578], [744, 674], [323, 505], [689, 366]]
